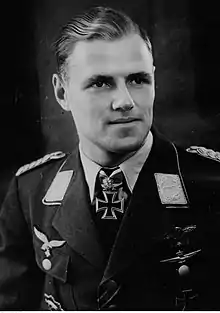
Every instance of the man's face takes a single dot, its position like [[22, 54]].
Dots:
[[110, 92]]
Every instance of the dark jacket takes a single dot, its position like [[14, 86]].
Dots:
[[166, 254]]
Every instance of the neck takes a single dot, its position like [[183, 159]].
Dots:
[[102, 157]]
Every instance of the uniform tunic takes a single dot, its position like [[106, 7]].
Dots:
[[166, 255]]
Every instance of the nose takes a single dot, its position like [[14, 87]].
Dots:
[[122, 99]]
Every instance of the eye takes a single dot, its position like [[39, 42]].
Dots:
[[138, 81], [101, 84], [98, 84]]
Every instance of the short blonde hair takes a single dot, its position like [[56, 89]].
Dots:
[[97, 23]]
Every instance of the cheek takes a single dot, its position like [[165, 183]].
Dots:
[[144, 98], [79, 104], [99, 105], [89, 110]]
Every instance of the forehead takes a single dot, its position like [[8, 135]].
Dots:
[[127, 54]]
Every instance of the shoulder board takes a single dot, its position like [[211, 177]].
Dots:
[[207, 153], [46, 158]]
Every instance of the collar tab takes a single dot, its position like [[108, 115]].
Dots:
[[58, 188]]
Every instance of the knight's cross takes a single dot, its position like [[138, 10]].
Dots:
[[110, 205]]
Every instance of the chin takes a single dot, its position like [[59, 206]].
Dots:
[[127, 145], [126, 139]]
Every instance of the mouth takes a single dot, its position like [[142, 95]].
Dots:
[[124, 120]]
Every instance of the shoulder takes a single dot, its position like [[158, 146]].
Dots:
[[54, 156], [204, 152], [198, 156], [200, 168]]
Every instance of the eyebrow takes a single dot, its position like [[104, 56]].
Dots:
[[140, 74], [94, 78]]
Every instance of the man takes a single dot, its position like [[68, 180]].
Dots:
[[127, 221]]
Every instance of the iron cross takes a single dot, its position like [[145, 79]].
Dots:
[[109, 205], [187, 295]]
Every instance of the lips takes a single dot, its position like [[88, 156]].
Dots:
[[124, 120]]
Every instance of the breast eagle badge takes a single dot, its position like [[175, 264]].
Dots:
[[47, 245]]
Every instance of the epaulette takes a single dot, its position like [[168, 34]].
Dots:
[[207, 153], [46, 158]]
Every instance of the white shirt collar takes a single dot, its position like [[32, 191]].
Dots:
[[130, 167]]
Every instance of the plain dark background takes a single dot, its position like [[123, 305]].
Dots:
[[185, 37]]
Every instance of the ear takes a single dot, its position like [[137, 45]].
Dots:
[[60, 91]]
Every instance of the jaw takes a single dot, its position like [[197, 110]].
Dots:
[[126, 137], [109, 146]]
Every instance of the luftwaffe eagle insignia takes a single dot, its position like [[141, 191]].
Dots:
[[207, 153], [46, 158], [47, 245]]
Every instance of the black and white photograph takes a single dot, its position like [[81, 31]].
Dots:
[[110, 156]]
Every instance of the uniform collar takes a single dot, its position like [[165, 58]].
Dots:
[[130, 167]]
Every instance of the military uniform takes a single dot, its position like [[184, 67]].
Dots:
[[166, 255]]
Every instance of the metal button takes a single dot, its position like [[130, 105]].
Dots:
[[46, 264], [183, 270]]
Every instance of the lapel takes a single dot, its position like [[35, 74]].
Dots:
[[73, 220], [146, 219]]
